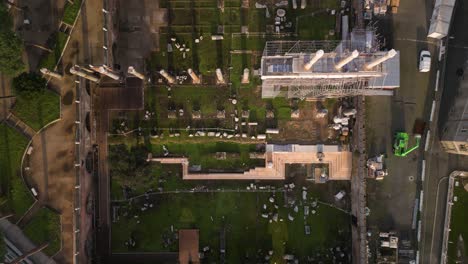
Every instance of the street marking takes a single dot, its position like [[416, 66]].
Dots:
[[421, 196], [415, 214], [428, 136], [441, 49], [423, 170], [437, 81], [432, 110], [419, 230], [418, 41]]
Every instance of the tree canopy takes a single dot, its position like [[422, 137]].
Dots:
[[29, 84], [128, 165], [11, 46]]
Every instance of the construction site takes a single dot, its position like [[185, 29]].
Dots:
[[228, 129], [231, 131], [328, 69], [222, 131]]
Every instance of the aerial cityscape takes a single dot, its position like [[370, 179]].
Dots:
[[233, 131]]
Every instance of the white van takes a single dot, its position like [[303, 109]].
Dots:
[[424, 61]]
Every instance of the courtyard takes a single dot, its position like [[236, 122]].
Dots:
[[253, 225], [220, 127]]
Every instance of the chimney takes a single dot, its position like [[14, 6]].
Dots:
[[390, 54], [312, 61], [75, 71], [168, 77], [133, 72], [46, 71], [347, 60], [195, 79], [219, 76], [245, 76]]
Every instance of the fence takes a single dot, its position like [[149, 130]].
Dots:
[[77, 195]]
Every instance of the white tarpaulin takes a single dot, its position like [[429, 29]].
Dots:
[[441, 17]]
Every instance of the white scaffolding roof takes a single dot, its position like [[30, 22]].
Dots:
[[284, 73], [441, 17]]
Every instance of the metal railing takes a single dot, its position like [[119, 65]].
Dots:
[[106, 19], [77, 195]]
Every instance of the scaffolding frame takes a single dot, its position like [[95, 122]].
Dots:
[[282, 73]]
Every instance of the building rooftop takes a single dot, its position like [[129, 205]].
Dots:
[[284, 71]]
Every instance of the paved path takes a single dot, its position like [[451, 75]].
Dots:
[[358, 187], [19, 125], [6, 99]]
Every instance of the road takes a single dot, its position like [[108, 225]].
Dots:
[[441, 164], [392, 200]]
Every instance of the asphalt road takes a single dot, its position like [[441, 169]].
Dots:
[[392, 200], [441, 164]]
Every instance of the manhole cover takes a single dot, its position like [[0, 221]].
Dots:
[[411, 178]]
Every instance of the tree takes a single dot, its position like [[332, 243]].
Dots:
[[28, 84], [129, 166], [11, 46]]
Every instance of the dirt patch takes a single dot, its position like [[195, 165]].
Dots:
[[66, 167], [60, 154], [68, 98], [69, 128], [307, 128]]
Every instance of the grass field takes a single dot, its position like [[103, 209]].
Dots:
[[50, 60], [458, 222], [169, 177], [204, 154], [70, 12], [39, 110], [14, 195], [239, 214], [189, 20], [45, 228], [316, 27], [208, 100]]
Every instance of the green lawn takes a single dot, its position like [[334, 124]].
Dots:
[[204, 154], [45, 228], [70, 12], [207, 99], [59, 39], [50, 60], [458, 222], [238, 63], [14, 195], [316, 27], [39, 110], [169, 177], [239, 214]]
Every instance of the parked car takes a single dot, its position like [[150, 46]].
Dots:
[[424, 61]]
